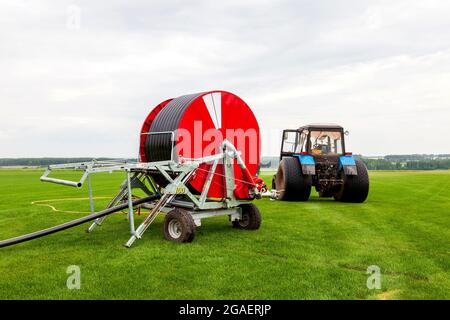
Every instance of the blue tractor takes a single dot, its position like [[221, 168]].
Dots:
[[315, 155]]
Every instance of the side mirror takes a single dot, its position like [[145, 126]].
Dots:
[[346, 132]]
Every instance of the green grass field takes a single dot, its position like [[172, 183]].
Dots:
[[315, 250]]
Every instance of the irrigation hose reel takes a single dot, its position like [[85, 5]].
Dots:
[[198, 157]]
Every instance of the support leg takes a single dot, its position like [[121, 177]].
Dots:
[[91, 199], [163, 201], [119, 196], [150, 218], [130, 204], [124, 189]]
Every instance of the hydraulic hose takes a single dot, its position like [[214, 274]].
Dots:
[[73, 223]]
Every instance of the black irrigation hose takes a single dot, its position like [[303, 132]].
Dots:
[[73, 223]]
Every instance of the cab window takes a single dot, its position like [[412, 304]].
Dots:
[[326, 142], [290, 141]]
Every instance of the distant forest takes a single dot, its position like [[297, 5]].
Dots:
[[389, 162], [408, 162]]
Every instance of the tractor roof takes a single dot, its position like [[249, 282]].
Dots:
[[318, 126]]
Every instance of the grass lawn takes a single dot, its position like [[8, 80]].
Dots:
[[315, 250]]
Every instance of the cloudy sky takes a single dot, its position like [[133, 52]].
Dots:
[[77, 78]]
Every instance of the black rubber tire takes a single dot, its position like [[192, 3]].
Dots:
[[251, 217], [185, 223], [355, 188], [291, 183]]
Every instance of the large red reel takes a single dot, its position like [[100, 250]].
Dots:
[[201, 122]]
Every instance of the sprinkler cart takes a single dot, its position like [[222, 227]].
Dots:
[[177, 175]]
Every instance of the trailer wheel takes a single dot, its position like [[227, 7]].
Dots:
[[179, 226], [251, 217], [355, 188], [291, 183]]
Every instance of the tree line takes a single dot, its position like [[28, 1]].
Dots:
[[389, 162], [385, 164]]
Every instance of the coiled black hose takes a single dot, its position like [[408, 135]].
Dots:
[[158, 147]]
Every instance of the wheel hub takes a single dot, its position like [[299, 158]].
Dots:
[[244, 221], [174, 229]]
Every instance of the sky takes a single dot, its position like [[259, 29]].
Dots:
[[77, 78]]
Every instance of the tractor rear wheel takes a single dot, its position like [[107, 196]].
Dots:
[[355, 188], [251, 217], [291, 183], [179, 226]]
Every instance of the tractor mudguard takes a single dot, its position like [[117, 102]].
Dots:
[[348, 164], [308, 164]]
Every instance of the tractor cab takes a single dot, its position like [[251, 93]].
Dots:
[[315, 140]]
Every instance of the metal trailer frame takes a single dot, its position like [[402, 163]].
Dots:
[[176, 173]]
